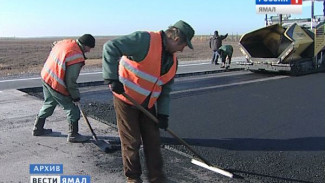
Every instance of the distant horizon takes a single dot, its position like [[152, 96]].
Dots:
[[34, 18], [48, 37]]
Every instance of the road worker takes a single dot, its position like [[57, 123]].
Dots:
[[215, 43], [59, 77], [225, 52], [143, 65]]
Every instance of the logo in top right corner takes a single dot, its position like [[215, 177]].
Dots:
[[298, 2], [278, 6]]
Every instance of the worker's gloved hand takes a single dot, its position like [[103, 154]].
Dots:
[[76, 101], [116, 86], [163, 121]]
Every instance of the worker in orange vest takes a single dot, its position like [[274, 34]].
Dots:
[[143, 65], [59, 78]]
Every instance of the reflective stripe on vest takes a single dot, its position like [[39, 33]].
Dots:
[[142, 79], [138, 88], [63, 54]]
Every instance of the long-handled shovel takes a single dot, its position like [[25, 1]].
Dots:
[[204, 164], [104, 146]]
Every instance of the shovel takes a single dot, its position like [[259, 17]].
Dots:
[[204, 163], [104, 146]]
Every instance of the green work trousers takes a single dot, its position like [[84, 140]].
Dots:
[[52, 99], [135, 128]]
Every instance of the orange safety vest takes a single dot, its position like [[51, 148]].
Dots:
[[63, 54], [141, 79]]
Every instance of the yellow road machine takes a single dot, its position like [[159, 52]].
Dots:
[[296, 46]]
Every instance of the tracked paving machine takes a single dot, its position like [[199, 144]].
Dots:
[[296, 46]]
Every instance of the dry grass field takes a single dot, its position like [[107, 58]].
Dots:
[[26, 56]]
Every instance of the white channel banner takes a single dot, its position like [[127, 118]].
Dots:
[[278, 9]]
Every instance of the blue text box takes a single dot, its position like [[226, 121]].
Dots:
[[75, 179], [46, 168], [273, 2]]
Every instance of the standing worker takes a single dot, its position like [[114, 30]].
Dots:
[[215, 43], [225, 52], [59, 76], [143, 65]]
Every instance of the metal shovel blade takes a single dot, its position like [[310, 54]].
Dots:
[[214, 169], [104, 146]]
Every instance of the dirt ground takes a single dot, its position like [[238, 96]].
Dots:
[[26, 56]]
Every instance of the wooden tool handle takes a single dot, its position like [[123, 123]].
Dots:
[[87, 121], [151, 116]]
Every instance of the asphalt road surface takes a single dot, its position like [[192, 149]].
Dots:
[[267, 131], [262, 127]]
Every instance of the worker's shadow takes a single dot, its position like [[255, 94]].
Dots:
[[55, 134], [252, 144]]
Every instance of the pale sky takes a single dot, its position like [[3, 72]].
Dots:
[[46, 18]]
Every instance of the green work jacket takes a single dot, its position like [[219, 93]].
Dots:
[[136, 46]]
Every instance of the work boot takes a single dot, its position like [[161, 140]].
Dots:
[[131, 180], [74, 136], [39, 129], [159, 179]]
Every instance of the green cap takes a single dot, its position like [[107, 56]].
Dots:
[[187, 30]]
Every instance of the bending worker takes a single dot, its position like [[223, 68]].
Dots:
[[225, 52], [59, 77], [143, 65]]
